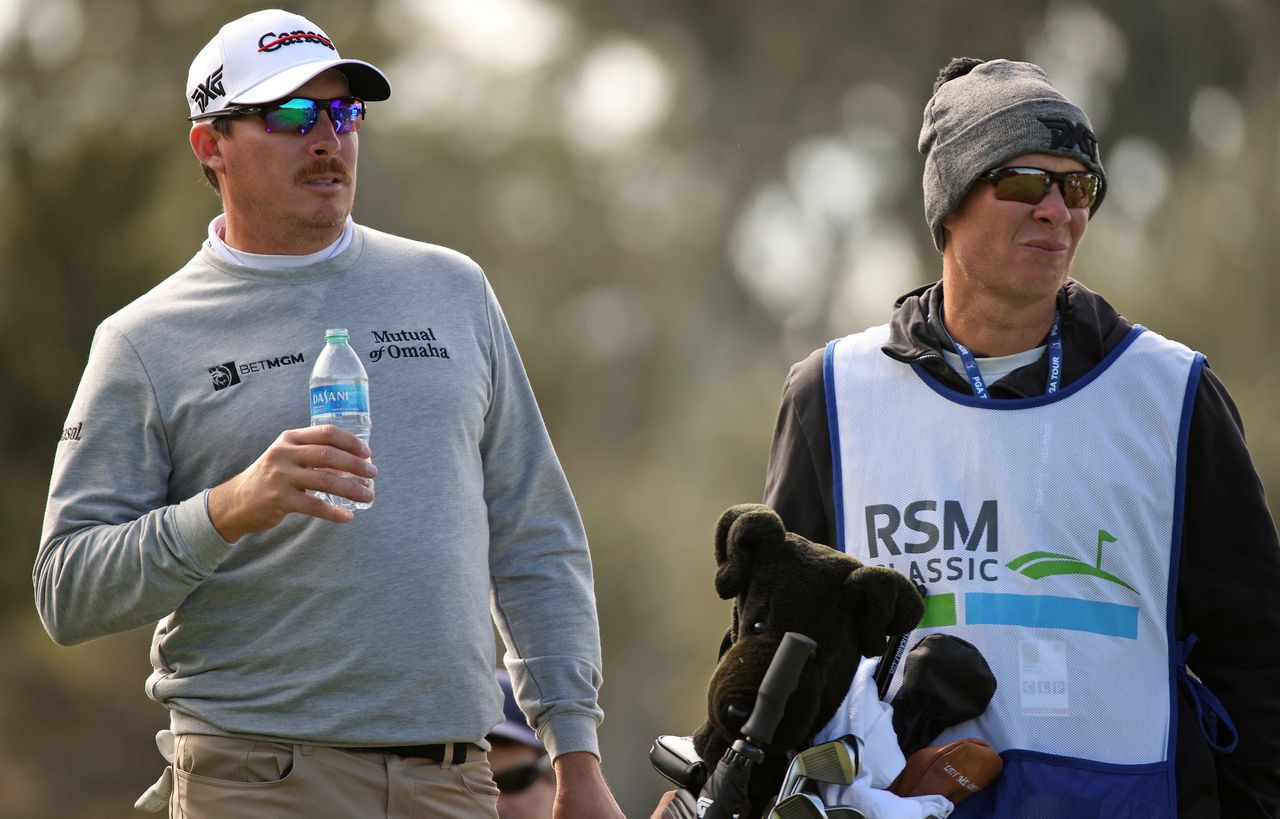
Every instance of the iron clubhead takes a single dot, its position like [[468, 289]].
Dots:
[[834, 762], [798, 806]]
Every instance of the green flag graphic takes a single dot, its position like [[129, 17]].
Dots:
[[1103, 537]]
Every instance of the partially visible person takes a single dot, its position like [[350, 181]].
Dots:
[[521, 767], [1074, 490]]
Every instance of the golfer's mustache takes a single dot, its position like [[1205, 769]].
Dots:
[[329, 167]]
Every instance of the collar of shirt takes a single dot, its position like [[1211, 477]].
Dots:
[[996, 367], [271, 261], [1090, 328]]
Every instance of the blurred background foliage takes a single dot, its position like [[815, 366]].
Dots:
[[673, 200]]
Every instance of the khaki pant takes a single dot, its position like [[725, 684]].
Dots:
[[224, 778]]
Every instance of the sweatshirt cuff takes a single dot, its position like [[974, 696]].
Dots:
[[568, 733], [202, 546]]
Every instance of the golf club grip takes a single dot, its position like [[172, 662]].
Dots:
[[779, 681], [889, 662], [893, 654]]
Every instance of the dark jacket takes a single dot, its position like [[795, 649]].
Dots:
[[1230, 562]]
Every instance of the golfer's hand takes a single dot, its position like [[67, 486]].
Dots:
[[278, 482], [661, 810], [581, 792]]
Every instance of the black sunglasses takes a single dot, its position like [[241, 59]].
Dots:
[[519, 777], [298, 115], [1080, 189]]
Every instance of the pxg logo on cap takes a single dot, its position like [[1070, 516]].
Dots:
[[265, 56]]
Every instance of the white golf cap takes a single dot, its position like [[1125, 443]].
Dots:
[[266, 56]]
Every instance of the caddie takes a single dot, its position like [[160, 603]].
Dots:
[[1072, 489]]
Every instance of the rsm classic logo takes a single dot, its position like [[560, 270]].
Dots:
[[929, 524], [909, 538]]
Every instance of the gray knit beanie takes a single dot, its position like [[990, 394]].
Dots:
[[983, 114]]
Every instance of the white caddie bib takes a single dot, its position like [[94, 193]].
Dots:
[[1046, 532]]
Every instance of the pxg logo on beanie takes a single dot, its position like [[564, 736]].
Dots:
[[266, 56]]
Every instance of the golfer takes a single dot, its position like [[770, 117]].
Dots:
[[316, 662], [1073, 489]]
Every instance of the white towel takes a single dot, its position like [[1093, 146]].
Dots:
[[863, 715]]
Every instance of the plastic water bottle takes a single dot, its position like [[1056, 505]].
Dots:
[[340, 396]]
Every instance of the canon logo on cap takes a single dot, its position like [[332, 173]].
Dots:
[[271, 41]]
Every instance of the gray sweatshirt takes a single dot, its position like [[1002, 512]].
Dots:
[[375, 632]]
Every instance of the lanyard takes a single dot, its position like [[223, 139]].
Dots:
[[1055, 361]]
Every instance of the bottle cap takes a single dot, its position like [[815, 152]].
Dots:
[[336, 333]]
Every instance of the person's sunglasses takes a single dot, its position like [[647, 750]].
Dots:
[[519, 777], [1031, 185], [298, 115]]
